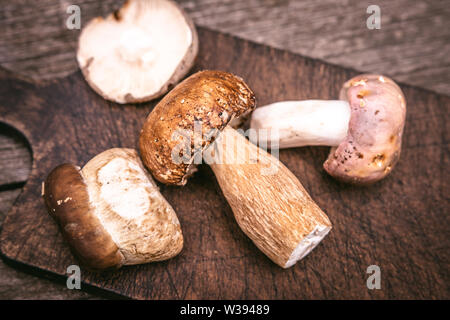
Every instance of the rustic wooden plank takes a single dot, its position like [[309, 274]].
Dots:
[[412, 45], [15, 284], [15, 158], [7, 199], [400, 223]]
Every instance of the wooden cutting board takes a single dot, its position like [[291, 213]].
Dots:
[[400, 224]]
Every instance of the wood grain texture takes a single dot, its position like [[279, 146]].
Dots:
[[7, 198], [412, 45], [16, 284], [400, 224], [15, 158]]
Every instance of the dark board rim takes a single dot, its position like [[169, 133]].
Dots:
[[60, 278]]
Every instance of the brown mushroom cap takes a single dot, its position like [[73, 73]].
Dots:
[[67, 200], [138, 52], [111, 211], [213, 98], [373, 143]]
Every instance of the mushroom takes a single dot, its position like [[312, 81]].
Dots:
[[364, 128], [111, 211], [139, 51], [269, 203]]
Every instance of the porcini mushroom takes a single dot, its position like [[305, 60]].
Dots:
[[111, 211], [364, 128], [269, 203], [139, 51]]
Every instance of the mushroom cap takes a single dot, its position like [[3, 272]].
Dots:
[[67, 201], [373, 143], [138, 52], [111, 211], [193, 113]]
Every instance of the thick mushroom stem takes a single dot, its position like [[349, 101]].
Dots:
[[269, 203], [302, 123]]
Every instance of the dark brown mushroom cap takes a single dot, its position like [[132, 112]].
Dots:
[[67, 201], [372, 147], [210, 98]]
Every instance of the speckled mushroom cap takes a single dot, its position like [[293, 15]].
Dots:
[[374, 138], [209, 98]]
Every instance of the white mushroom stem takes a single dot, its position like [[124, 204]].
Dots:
[[136, 46], [302, 123]]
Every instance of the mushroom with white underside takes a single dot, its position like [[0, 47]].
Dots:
[[364, 128], [138, 52], [269, 203], [111, 211]]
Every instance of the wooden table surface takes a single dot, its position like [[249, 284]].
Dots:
[[412, 46]]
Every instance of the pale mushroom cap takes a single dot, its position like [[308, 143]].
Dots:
[[373, 143], [138, 52]]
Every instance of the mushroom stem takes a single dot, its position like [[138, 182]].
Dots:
[[302, 123], [269, 203]]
